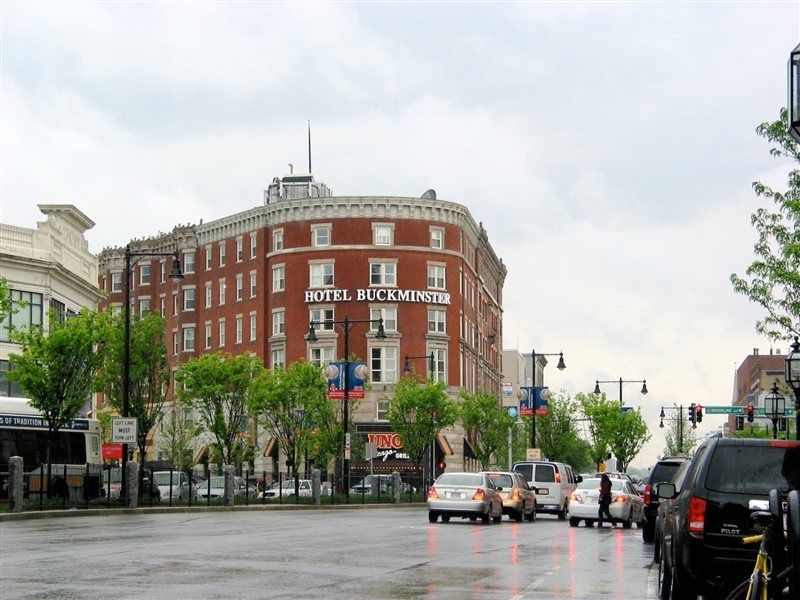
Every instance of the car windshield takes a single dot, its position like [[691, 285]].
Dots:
[[664, 472], [163, 478], [594, 484], [216, 482], [463, 479], [501, 480], [747, 469]]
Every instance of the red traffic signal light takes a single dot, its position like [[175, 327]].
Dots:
[[750, 415], [698, 413]]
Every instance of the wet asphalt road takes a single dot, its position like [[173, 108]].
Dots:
[[386, 553]]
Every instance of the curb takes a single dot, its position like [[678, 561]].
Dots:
[[161, 510]]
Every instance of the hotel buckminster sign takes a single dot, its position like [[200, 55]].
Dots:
[[378, 295]]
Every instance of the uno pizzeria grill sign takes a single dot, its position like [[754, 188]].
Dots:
[[389, 446], [377, 295]]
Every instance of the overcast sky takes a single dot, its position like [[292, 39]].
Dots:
[[608, 148]]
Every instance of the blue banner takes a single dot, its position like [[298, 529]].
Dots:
[[533, 398], [356, 380]]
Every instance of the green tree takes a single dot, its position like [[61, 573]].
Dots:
[[679, 434], [773, 279], [611, 430], [56, 370], [218, 386], [417, 413], [284, 402], [558, 437], [104, 417], [5, 299], [487, 424], [175, 444], [149, 370]]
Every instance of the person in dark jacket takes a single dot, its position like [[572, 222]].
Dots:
[[604, 503]]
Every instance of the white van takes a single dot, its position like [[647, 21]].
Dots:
[[553, 483]]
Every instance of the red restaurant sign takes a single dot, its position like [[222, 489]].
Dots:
[[112, 451]]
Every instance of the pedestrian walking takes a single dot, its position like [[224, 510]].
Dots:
[[604, 502]]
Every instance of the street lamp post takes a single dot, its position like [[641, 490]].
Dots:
[[662, 416], [407, 369], [620, 381], [347, 323], [775, 408], [176, 273], [792, 365], [560, 366]]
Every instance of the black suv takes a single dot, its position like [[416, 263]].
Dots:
[[727, 480], [664, 470]]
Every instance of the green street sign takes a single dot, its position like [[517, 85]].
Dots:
[[724, 410]]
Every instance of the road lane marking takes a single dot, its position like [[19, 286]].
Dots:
[[531, 587]]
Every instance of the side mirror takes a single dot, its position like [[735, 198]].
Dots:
[[666, 491], [499, 489], [579, 479]]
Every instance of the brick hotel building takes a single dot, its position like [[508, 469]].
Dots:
[[254, 280]]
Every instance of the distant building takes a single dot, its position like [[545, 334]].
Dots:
[[50, 271], [752, 383]]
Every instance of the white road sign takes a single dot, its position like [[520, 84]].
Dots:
[[123, 430]]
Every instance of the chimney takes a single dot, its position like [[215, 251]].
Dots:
[[755, 351]]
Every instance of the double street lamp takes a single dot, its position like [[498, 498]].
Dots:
[[176, 274], [775, 407], [792, 376], [560, 366], [620, 381], [347, 324]]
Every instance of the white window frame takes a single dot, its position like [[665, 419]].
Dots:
[[440, 364], [253, 245], [222, 256], [382, 409], [175, 342], [239, 329], [279, 321], [437, 276], [383, 234], [175, 304], [209, 257], [318, 275], [383, 375], [209, 294], [162, 264], [437, 320], [322, 320], [382, 273], [239, 249], [221, 332], [144, 274], [387, 313], [162, 301], [116, 281], [253, 326], [278, 358], [188, 338], [239, 287], [208, 335], [144, 306], [253, 284], [188, 265], [277, 239], [189, 298], [279, 278], [324, 355], [437, 238], [223, 291], [321, 235]]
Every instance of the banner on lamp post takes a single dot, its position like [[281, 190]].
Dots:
[[334, 373], [533, 399]]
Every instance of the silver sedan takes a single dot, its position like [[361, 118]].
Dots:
[[465, 495]]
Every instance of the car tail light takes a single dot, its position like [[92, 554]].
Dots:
[[432, 495], [558, 477], [620, 499], [515, 495], [479, 495], [576, 497], [782, 444], [648, 493], [697, 515]]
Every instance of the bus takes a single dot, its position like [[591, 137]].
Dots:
[[75, 451]]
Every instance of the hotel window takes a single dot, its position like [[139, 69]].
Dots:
[[277, 240], [320, 275], [321, 356], [389, 315], [437, 318], [320, 235], [188, 262], [163, 302], [144, 306], [278, 358], [239, 287], [383, 364], [174, 342], [382, 234], [278, 322], [174, 304], [239, 327], [278, 279], [383, 273], [437, 238], [253, 287], [222, 289], [382, 410], [116, 282], [440, 364], [188, 338], [188, 299], [436, 277], [221, 333], [222, 254], [252, 327], [322, 317], [253, 244], [208, 336], [239, 249], [162, 266], [208, 294], [209, 254], [144, 274]]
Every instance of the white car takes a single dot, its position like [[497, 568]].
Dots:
[[552, 482], [626, 505], [217, 488], [287, 489], [178, 487]]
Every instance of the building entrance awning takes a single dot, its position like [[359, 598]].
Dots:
[[444, 445]]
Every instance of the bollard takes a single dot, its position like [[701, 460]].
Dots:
[[376, 486], [316, 487], [228, 470], [396, 487], [15, 469], [131, 475]]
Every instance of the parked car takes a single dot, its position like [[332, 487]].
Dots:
[[626, 505], [664, 470], [179, 486], [552, 482], [217, 488], [728, 479], [465, 495], [385, 485], [286, 488], [519, 501], [663, 506], [112, 486]]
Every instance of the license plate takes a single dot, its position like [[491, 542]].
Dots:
[[543, 491], [456, 495]]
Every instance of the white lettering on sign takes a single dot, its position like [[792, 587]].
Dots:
[[378, 295]]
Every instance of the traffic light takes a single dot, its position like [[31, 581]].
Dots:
[[698, 414], [750, 415], [692, 416]]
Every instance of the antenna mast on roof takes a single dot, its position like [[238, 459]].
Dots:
[[309, 147]]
